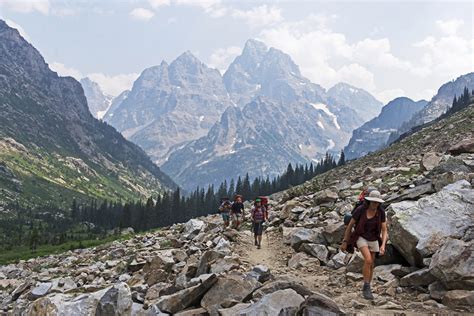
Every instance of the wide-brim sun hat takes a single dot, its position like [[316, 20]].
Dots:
[[375, 196]]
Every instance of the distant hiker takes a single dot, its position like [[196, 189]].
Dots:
[[259, 216], [224, 209], [237, 211], [370, 236]]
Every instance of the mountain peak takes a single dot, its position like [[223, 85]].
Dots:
[[187, 58], [255, 45]]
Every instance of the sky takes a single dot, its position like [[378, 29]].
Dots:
[[389, 48]]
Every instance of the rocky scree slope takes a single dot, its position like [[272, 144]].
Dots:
[[374, 134], [52, 148], [198, 268], [438, 105]]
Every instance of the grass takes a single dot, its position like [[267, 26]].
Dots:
[[24, 252]]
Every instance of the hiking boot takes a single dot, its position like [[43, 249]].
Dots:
[[258, 246], [256, 243], [367, 293]]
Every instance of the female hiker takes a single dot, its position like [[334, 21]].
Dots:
[[224, 209], [237, 211], [259, 216], [370, 236]]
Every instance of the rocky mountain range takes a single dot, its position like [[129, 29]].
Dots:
[[200, 268], [98, 101], [170, 105], [374, 134], [438, 105], [179, 122], [52, 148]]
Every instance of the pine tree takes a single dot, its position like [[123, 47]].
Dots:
[[342, 159]]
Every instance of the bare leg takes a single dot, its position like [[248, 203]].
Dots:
[[372, 267], [367, 269]]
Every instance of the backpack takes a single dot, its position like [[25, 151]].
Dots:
[[348, 216]]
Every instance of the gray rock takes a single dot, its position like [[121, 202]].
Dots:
[[459, 299], [320, 304], [334, 233], [325, 196], [301, 259], [274, 303], [338, 261], [206, 260], [453, 264], [304, 235], [281, 284], [40, 290], [192, 228], [188, 297], [228, 291], [193, 312], [430, 161], [260, 273], [464, 146], [116, 300], [414, 232], [318, 251], [422, 277], [234, 310], [437, 290]]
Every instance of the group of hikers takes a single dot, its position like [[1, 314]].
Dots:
[[235, 212], [366, 228]]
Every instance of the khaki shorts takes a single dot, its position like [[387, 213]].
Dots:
[[373, 245]]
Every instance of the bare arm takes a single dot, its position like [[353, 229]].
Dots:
[[347, 234], [384, 237]]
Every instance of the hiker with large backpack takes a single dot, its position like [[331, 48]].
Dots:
[[369, 236], [360, 201], [237, 211], [224, 209], [259, 216]]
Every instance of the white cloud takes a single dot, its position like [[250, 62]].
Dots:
[[258, 16], [63, 70], [222, 57], [449, 27], [141, 14], [159, 3], [388, 95], [19, 28], [26, 6], [114, 85]]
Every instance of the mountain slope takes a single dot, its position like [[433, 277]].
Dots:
[[438, 105], [170, 105], [52, 147], [374, 134], [261, 139], [97, 101], [365, 104]]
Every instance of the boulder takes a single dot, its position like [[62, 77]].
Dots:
[[325, 196], [305, 235], [260, 273], [185, 298], [320, 304], [40, 290], [234, 310], [225, 264], [453, 264], [334, 233], [228, 291], [464, 146], [411, 193], [192, 228], [430, 161], [155, 276], [281, 284], [356, 262], [421, 277], [161, 261], [437, 290], [415, 233], [318, 251], [301, 259], [193, 312], [206, 260], [274, 303], [116, 300], [459, 299], [441, 180], [338, 261], [451, 165]]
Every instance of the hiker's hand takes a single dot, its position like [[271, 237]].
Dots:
[[343, 246], [382, 250]]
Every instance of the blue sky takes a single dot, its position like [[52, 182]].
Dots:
[[390, 48]]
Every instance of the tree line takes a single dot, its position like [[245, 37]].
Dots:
[[50, 225]]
